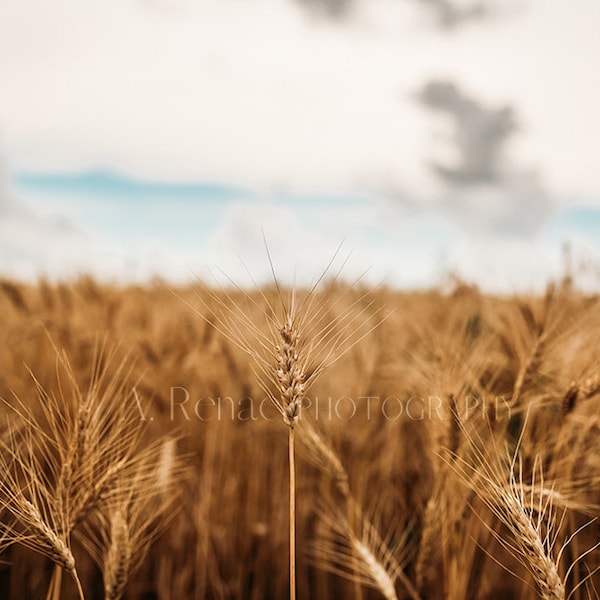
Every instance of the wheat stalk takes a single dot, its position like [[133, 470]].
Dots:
[[372, 561], [144, 502], [499, 482], [62, 465], [360, 554], [300, 343], [118, 557], [38, 522]]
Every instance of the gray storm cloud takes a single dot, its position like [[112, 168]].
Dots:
[[479, 137], [484, 187], [333, 9], [450, 15]]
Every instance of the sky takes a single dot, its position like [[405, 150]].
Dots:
[[177, 138]]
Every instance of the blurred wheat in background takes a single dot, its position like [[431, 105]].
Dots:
[[449, 453]]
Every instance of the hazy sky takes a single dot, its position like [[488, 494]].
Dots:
[[431, 135]]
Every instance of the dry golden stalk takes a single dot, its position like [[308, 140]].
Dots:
[[38, 522], [287, 363], [85, 438], [363, 566], [591, 386], [375, 570], [324, 457], [579, 391], [61, 467], [570, 399], [290, 373], [429, 546], [168, 466], [292, 510], [143, 502], [13, 292], [46, 539], [361, 554], [530, 544], [454, 426], [118, 557], [499, 484], [528, 369]]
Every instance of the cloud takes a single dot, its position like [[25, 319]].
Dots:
[[472, 234], [32, 245], [479, 136], [46, 242], [332, 9], [484, 188], [451, 14], [509, 264], [249, 92], [302, 236], [516, 210], [256, 92], [448, 14], [6, 200]]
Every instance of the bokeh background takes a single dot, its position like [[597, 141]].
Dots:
[[434, 139]]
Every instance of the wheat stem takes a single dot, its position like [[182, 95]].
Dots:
[[55, 584], [78, 585], [292, 460]]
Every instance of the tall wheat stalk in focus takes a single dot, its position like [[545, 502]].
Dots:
[[299, 339]]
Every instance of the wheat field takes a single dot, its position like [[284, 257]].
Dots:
[[445, 443]]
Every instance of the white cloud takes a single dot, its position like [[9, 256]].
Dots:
[[389, 245], [260, 92], [300, 239], [257, 91], [507, 265], [223, 91], [31, 245], [377, 243]]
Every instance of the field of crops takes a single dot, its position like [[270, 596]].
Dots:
[[446, 443]]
